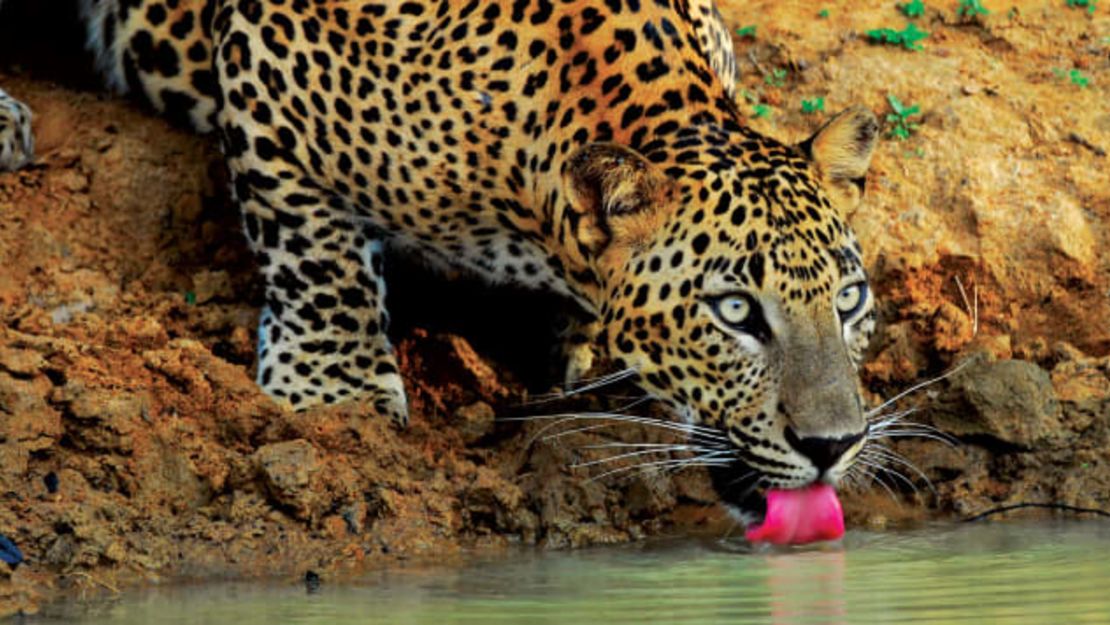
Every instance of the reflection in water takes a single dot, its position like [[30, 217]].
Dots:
[[807, 587], [983, 573]]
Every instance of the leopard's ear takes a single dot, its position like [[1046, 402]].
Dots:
[[615, 195], [841, 153]]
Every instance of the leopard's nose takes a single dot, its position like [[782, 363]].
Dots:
[[822, 452]]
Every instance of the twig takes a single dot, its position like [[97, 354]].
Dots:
[[972, 310], [1075, 137], [1051, 506]]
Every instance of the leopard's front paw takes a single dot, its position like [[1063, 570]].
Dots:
[[17, 144]]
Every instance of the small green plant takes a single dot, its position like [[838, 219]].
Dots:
[[758, 108], [908, 37], [901, 126], [1083, 4], [823, 14], [746, 31], [777, 77], [971, 8], [1075, 76], [190, 298], [816, 105], [1013, 13], [913, 8]]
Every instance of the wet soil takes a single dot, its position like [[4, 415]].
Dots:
[[135, 447]]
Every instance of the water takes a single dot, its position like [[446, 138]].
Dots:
[[979, 573]]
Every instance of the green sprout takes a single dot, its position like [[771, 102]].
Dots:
[[902, 127], [758, 109], [1013, 13], [823, 14], [746, 31], [1083, 4], [190, 298], [1075, 76], [971, 8], [816, 105], [913, 8], [907, 38], [777, 77]]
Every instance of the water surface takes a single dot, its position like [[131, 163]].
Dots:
[[977, 573]]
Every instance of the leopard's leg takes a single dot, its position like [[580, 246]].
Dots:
[[17, 144], [322, 333]]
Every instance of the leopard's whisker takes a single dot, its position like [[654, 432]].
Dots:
[[875, 476], [622, 445], [885, 453], [917, 387], [661, 464], [694, 431], [634, 454], [586, 385], [914, 433], [917, 426], [890, 418]]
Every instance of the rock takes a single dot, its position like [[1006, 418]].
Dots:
[[20, 362], [474, 421], [103, 418], [650, 495], [212, 285], [952, 328], [288, 469], [1009, 401], [9, 553], [1083, 387]]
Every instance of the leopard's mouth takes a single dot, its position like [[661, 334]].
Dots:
[[785, 516], [742, 490]]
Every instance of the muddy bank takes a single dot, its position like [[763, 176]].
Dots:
[[134, 445]]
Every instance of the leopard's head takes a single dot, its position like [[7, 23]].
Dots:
[[734, 287]]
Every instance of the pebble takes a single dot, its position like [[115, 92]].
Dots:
[[9, 553]]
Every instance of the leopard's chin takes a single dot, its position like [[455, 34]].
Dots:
[[741, 491]]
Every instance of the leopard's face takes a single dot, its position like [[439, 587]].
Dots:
[[747, 311]]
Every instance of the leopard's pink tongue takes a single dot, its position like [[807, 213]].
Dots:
[[800, 516]]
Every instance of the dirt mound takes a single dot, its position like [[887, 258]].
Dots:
[[133, 443]]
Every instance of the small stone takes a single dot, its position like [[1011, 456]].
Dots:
[[9, 553], [650, 496], [1009, 401], [288, 469], [20, 362], [73, 181], [212, 285], [474, 421]]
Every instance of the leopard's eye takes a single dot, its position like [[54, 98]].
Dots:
[[850, 300], [734, 310], [741, 313]]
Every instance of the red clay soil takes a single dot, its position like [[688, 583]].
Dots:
[[135, 446]]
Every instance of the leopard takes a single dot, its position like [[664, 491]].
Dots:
[[589, 149]]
